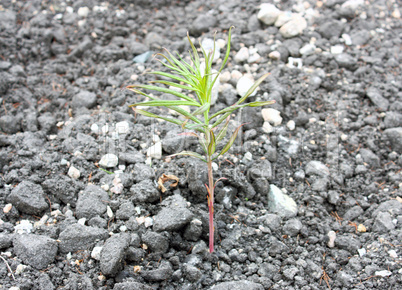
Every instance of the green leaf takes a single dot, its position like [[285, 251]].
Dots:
[[212, 143], [149, 114], [189, 153], [190, 88], [231, 141], [165, 103], [174, 77], [226, 110], [221, 119], [222, 132], [260, 104], [164, 90], [252, 89]]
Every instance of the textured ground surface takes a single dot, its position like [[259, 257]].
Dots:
[[313, 195]]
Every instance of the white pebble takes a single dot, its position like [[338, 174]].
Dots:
[[95, 128], [383, 273], [95, 254], [215, 166], [362, 252], [24, 227], [393, 254], [148, 222], [73, 172], [295, 62], [83, 11], [267, 128], [20, 268], [308, 49], [336, 49], [123, 228], [105, 187], [225, 77], [268, 13], [7, 208], [244, 84], [291, 125], [272, 116], [82, 221], [242, 55], [347, 39], [275, 55], [122, 127], [332, 236], [248, 156], [109, 212], [109, 160], [155, 151]]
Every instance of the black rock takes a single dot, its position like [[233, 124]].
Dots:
[[112, 254], [292, 227], [163, 272], [202, 24], [125, 211], [91, 202], [28, 198], [394, 135], [78, 237], [332, 28], [383, 223], [346, 61], [35, 250], [393, 119], [131, 285], [237, 285], [370, 158], [144, 191], [10, 124], [156, 242], [84, 99], [375, 96]]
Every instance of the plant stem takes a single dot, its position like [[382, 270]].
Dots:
[[211, 204]]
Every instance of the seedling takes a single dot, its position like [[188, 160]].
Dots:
[[196, 78]]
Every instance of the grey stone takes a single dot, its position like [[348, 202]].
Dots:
[[202, 24], [332, 28], [393, 119], [84, 99], [172, 219], [174, 142], [156, 242], [63, 188], [193, 230], [320, 184], [293, 27], [237, 285], [78, 237], [281, 203], [361, 169], [47, 123], [135, 47], [370, 158], [383, 223], [392, 206], [394, 135], [260, 169], [317, 168], [144, 191], [134, 254], [292, 227], [346, 170], [79, 50], [6, 240], [10, 124], [344, 278], [346, 61], [91, 202], [192, 273], [313, 269], [131, 286], [360, 37], [131, 157], [239, 181], [273, 221], [112, 254], [35, 250], [347, 242], [353, 213], [276, 247], [197, 177], [164, 271], [28, 198], [125, 211], [375, 96], [143, 172], [143, 57], [45, 282], [154, 40], [290, 273]]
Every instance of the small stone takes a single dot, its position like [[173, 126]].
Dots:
[[337, 49], [284, 17], [383, 273], [95, 254], [73, 172], [347, 39], [109, 212], [308, 49], [83, 11], [332, 236], [275, 55], [122, 127], [267, 128], [362, 252], [383, 223], [143, 57], [109, 160], [24, 226], [293, 27], [291, 125], [155, 151], [242, 55], [292, 227], [272, 116], [281, 203], [268, 13], [208, 45], [20, 269], [84, 99], [244, 84], [7, 208], [28, 198], [393, 254], [396, 14], [317, 168], [294, 62], [361, 228]]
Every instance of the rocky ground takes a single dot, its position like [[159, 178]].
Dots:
[[313, 197]]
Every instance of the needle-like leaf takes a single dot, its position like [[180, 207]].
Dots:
[[189, 153], [231, 141], [252, 89]]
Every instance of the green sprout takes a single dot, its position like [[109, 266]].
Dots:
[[197, 78]]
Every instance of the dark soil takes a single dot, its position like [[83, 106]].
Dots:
[[311, 201]]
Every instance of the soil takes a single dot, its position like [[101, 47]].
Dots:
[[312, 197]]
